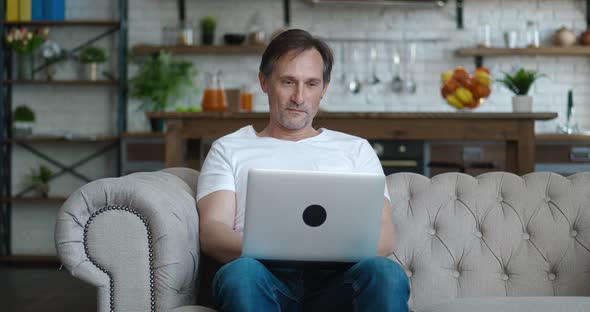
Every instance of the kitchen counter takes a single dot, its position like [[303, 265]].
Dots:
[[561, 137], [516, 129]]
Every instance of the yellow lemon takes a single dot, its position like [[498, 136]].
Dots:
[[454, 101], [464, 95], [446, 76], [483, 78]]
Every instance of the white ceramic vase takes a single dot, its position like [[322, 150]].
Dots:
[[522, 103]]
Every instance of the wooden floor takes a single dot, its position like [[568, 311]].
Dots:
[[43, 288]]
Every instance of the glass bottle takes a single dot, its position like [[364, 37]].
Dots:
[[246, 99], [532, 35], [221, 96], [209, 101]]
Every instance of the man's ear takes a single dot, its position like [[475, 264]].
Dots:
[[263, 82], [325, 88]]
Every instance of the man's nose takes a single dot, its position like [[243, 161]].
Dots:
[[297, 96]]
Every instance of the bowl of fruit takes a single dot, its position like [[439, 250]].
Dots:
[[465, 91]]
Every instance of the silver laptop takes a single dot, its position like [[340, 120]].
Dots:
[[312, 216]]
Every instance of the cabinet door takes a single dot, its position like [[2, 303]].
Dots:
[[471, 158]]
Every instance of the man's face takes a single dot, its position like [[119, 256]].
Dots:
[[295, 88]]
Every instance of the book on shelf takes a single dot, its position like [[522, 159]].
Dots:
[[12, 11], [54, 10], [24, 10], [37, 10]]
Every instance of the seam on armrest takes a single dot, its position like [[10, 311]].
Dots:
[[101, 268]]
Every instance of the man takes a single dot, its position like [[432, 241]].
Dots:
[[295, 74]]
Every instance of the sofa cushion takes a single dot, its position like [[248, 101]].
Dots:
[[192, 309], [495, 235], [512, 304]]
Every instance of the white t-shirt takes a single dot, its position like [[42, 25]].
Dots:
[[230, 157]]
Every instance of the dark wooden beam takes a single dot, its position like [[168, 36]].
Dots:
[[460, 14]]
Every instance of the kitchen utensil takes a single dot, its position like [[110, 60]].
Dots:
[[410, 84], [570, 125], [397, 84], [511, 38], [234, 39], [355, 85], [343, 62], [565, 37], [373, 79]]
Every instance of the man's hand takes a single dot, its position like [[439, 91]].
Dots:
[[218, 239], [386, 238]]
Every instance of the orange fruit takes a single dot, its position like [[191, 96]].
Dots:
[[469, 84], [484, 69], [450, 87], [483, 91], [460, 74]]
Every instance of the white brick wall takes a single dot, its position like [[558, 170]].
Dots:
[[91, 110]]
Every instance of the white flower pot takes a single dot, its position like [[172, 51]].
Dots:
[[91, 71], [22, 129], [522, 103]]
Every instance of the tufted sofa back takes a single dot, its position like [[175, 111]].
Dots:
[[494, 235]]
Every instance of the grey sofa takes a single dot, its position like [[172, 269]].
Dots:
[[498, 242]]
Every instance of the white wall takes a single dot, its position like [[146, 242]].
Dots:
[[92, 110]]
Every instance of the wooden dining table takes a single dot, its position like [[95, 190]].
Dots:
[[516, 129]]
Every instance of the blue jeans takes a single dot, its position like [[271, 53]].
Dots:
[[374, 284]]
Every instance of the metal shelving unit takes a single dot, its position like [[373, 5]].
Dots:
[[7, 141]]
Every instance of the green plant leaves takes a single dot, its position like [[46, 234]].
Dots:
[[160, 80], [521, 82]]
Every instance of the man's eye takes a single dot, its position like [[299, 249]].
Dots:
[[287, 82]]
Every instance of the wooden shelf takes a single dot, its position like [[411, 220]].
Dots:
[[30, 259], [143, 135], [55, 139], [541, 51], [578, 137], [102, 23], [37, 200], [62, 82], [145, 49]]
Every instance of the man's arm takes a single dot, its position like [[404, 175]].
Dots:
[[216, 226], [386, 237]]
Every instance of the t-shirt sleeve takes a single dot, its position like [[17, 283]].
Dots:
[[216, 173], [369, 162]]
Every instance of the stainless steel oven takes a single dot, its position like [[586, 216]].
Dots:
[[400, 156]]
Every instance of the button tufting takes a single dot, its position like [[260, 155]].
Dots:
[[431, 231], [456, 274], [526, 236], [478, 234], [574, 233], [409, 273], [453, 197], [504, 277], [547, 199], [500, 198], [551, 276]]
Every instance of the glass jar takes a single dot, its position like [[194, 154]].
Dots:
[[533, 39], [214, 97], [185, 33], [246, 99]]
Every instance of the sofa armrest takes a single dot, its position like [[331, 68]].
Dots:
[[135, 238]]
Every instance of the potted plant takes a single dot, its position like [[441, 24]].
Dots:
[[208, 24], [24, 42], [159, 82], [39, 178], [23, 119], [92, 58], [52, 53], [520, 83]]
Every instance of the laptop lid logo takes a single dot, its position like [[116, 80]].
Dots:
[[314, 215]]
